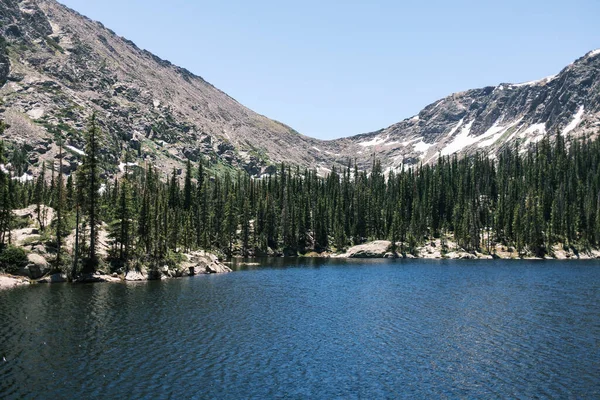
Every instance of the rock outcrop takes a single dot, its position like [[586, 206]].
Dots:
[[9, 282], [376, 249], [201, 262], [54, 278]]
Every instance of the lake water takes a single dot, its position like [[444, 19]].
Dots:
[[312, 329]]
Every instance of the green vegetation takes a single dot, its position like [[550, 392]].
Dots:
[[531, 202], [12, 258], [53, 43]]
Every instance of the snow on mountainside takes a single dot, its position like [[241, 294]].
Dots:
[[58, 67], [490, 118]]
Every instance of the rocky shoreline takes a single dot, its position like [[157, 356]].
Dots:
[[202, 262], [435, 249], [199, 263]]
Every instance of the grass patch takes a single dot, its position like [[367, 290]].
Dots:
[[53, 43]]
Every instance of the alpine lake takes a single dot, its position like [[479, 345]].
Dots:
[[312, 328]]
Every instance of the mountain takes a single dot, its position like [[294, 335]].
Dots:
[[490, 118], [58, 67]]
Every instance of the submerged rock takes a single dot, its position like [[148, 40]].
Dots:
[[54, 278], [97, 277]]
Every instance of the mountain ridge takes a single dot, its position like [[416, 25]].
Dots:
[[57, 67]]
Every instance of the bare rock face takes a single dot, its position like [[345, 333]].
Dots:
[[4, 62]]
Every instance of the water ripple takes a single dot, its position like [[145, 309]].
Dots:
[[312, 328]]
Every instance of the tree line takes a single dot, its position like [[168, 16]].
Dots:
[[529, 200]]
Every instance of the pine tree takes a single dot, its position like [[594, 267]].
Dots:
[[59, 206], [88, 179]]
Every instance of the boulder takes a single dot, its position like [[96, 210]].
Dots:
[[166, 271], [97, 277], [8, 282], [37, 266], [186, 269], [376, 249], [217, 268], [39, 249], [134, 276]]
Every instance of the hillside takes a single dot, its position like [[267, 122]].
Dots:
[[59, 67]]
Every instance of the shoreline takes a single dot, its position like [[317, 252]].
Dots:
[[8, 281]]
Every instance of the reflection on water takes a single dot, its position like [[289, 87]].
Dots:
[[312, 328]]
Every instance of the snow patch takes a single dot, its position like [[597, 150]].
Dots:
[[575, 122], [542, 81], [422, 147], [461, 140], [387, 171], [495, 133], [3, 169], [323, 171], [24, 178], [374, 142], [406, 143], [539, 128], [102, 189], [316, 148], [464, 138], [76, 150], [415, 118], [593, 53], [123, 165]]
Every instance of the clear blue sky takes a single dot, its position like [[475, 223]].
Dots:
[[337, 68]]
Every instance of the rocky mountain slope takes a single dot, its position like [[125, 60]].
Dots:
[[58, 67], [490, 118]]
